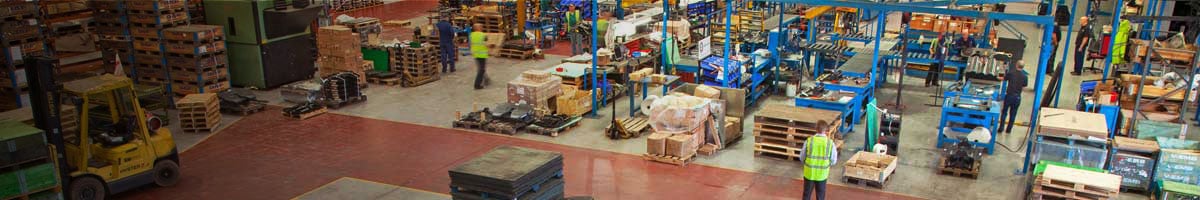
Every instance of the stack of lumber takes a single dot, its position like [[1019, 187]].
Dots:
[[196, 59], [1134, 162], [1058, 182], [508, 172], [1070, 123], [367, 28], [112, 31], [418, 65], [574, 102], [26, 169], [199, 112], [1178, 165], [335, 55], [781, 130], [872, 168], [1182, 56], [536, 88], [147, 20]]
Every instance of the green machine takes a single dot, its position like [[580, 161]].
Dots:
[[269, 41]]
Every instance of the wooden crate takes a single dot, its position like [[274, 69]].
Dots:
[[199, 112], [1067, 123], [1135, 145], [870, 167]]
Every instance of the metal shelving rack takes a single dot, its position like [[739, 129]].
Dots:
[[17, 46]]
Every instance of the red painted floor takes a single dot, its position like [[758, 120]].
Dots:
[[269, 156]]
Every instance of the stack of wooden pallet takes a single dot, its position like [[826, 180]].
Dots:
[[781, 130], [199, 112], [112, 31], [196, 11], [196, 59], [336, 55], [147, 20], [20, 37], [491, 22], [1058, 182], [508, 172], [418, 65], [367, 28], [27, 170]]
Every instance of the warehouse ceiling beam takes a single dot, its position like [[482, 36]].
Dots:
[[902, 7], [965, 2]]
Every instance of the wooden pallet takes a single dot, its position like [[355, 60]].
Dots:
[[674, 160], [1044, 188], [864, 182], [246, 110], [946, 170], [469, 124], [516, 54], [385, 81], [630, 127], [785, 129], [307, 115], [418, 81], [506, 128], [553, 132], [777, 151], [200, 128]]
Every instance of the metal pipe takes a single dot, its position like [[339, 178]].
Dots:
[[728, 19], [1043, 58]]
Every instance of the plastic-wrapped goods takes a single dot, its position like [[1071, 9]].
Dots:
[[535, 91], [1134, 170], [676, 113], [1078, 154], [1178, 165]]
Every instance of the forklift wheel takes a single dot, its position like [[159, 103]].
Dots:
[[87, 188], [166, 173]]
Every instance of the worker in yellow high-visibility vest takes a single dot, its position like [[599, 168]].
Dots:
[[576, 38], [479, 49], [819, 153]]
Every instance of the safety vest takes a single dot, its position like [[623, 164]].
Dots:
[[572, 19], [478, 46], [817, 158]]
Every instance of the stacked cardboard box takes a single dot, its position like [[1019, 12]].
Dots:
[[534, 87], [682, 145], [336, 55], [196, 59], [147, 20], [573, 102]]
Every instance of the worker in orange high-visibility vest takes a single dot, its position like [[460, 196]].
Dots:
[[820, 153]]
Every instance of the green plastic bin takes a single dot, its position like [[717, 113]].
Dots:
[[380, 57]]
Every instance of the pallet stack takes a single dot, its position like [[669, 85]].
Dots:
[[335, 55], [20, 37], [112, 31], [1058, 182], [508, 172], [418, 65], [27, 170], [781, 130], [196, 59], [199, 112], [347, 5], [196, 11], [147, 20], [367, 28], [490, 19]]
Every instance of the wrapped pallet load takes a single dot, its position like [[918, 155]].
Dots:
[[680, 117], [535, 88]]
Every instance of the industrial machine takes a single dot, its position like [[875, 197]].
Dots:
[[116, 147], [262, 55]]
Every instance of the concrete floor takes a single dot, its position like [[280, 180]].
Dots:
[[435, 104]]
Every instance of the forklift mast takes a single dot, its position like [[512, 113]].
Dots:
[[45, 101]]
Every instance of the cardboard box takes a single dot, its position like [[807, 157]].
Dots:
[[656, 143], [522, 90], [705, 91], [678, 145]]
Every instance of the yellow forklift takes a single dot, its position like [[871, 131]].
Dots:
[[114, 149]]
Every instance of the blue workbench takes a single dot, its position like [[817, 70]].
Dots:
[[851, 111], [965, 117]]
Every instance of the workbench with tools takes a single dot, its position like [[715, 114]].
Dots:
[[845, 100]]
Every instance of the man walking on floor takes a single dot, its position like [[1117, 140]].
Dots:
[[446, 44], [479, 50], [1017, 79], [572, 20], [819, 153], [938, 51]]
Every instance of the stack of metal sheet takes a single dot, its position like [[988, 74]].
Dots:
[[509, 172]]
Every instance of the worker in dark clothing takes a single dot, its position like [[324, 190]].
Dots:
[[1017, 79], [446, 44], [1055, 72], [938, 51], [1082, 44], [965, 43]]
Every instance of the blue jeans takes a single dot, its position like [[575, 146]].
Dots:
[[1009, 112], [448, 56]]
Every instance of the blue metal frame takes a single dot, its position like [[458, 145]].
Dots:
[[1112, 41]]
